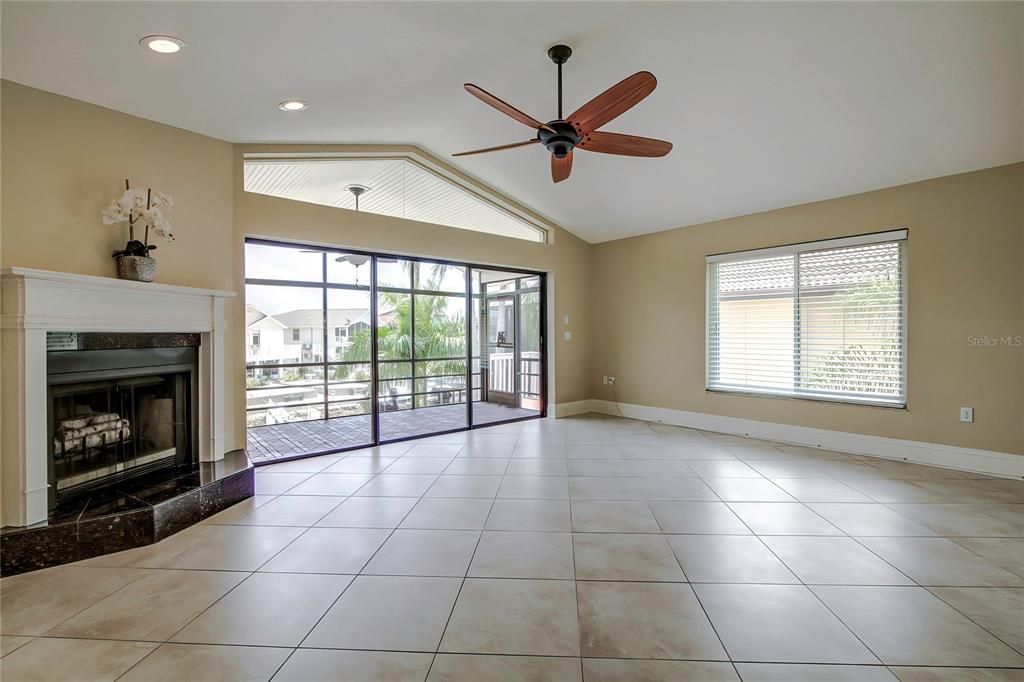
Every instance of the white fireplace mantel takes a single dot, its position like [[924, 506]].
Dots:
[[33, 302]]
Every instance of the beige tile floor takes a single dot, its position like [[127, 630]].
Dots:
[[589, 548]]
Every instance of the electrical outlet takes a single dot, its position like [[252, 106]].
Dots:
[[604, 380], [967, 414], [611, 380]]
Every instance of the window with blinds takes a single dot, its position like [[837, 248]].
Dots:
[[823, 320]]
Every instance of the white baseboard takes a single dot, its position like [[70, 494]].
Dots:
[[947, 456], [578, 407]]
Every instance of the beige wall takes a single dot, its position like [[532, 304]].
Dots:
[[966, 278], [636, 305], [566, 259], [64, 160]]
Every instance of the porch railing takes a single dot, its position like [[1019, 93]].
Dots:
[[502, 372]]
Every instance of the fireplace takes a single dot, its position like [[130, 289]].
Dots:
[[116, 420], [51, 320], [120, 406]]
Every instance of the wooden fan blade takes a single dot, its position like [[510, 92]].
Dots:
[[498, 148], [504, 107], [612, 102], [626, 145], [561, 168]]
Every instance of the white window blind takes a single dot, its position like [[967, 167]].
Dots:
[[824, 320]]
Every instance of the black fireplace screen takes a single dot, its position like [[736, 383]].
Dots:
[[109, 423]]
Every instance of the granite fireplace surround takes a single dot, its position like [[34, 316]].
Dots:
[[36, 533]]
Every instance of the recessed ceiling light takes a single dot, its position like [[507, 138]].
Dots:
[[163, 44], [293, 105]]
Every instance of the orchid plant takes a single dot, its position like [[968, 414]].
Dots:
[[140, 209]]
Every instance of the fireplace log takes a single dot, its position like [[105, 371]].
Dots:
[[89, 420], [72, 434], [117, 431]]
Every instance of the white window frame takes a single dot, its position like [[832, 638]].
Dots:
[[899, 235]]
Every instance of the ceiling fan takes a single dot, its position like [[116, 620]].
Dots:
[[580, 128]]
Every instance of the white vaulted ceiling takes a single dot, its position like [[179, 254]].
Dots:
[[768, 104], [395, 187]]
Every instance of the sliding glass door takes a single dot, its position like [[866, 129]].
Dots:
[[421, 347], [507, 359], [350, 349], [308, 355]]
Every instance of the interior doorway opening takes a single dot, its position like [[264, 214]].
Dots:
[[349, 349]]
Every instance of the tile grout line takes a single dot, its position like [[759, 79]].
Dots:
[[696, 596], [917, 584], [802, 583], [808, 588], [662, 533], [816, 596], [80, 612], [983, 627], [469, 565], [139, 662], [576, 594], [370, 558], [257, 570], [701, 603]]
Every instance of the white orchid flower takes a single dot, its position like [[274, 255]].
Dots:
[[165, 233], [114, 214], [132, 207], [133, 198]]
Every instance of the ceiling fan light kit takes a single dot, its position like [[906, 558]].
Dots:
[[580, 129], [358, 191]]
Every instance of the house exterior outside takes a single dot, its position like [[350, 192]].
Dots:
[[296, 336], [277, 390], [265, 340]]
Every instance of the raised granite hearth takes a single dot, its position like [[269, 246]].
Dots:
[[140, 512]]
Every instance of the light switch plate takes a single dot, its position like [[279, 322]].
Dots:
[[567, 335]]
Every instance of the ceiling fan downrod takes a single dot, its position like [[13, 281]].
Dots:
[[560, 136], [559, 54]]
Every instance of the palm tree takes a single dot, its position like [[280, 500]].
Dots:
[[439, 336]]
